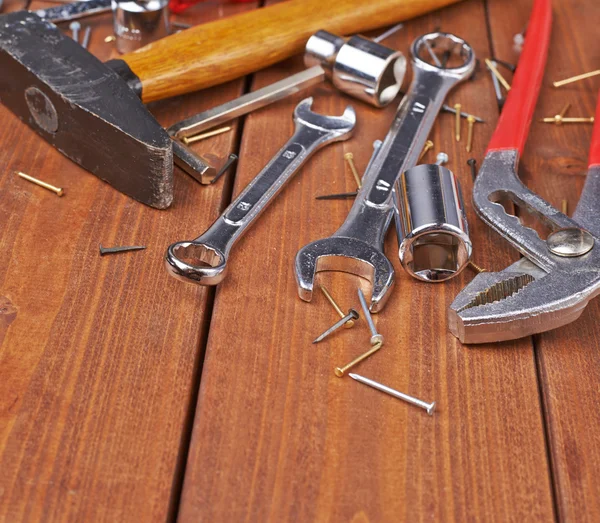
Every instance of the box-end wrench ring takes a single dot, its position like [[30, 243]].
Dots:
[[357, 246], [204, 260]]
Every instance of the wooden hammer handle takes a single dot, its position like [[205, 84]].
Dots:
[[220, 51]]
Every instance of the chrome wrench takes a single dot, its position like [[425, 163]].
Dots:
[[357, 246], [204, 260]]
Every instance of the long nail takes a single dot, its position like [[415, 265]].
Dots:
[[340, 371], [352, 315]]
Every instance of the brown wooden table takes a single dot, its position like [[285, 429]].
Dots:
[[128, 396]]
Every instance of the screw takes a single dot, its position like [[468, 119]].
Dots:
[[349, 323], [441, 158], [198, 137], [349, 157], [471, 122], [492, 67], [114, 250], [457, 108], [230, 161], [375, 336], [75, 27], [428, 145], [429, 407], [340, 371], [352, 315], [576, 78], [57, 190], [86, 37], [475, 267], [472, 163]]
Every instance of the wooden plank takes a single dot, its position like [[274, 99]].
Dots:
[[277, 437], [99, 356], [554, 165]]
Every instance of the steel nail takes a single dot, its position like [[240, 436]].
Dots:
[[113, 250], [352, 315], [441, 159], [472, 163], [338, 196], [429, 407], [230, 161], [375, 336]]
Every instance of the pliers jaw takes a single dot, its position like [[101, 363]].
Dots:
[[540, 292]]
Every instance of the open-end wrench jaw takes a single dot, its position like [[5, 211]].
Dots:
[[541, 292]]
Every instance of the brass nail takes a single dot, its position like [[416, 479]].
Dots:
[[349, 323], [564, 208], [202, 136], [476, 267], [576, 78], [567, 120], [57, 190], [349, 157], [471, 121], [109, 39], [428, 145], [497, 74], [457, 108], [340, 371]]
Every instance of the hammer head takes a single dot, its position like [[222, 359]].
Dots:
[[83, 108]]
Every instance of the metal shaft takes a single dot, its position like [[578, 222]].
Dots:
[[388, 33], [352, 315], [447, 109], [492, 67], [340, 371], [349, 323], [56, 190], [375, 336], [429, 407], [247, 103], [114, 250], [576, 78]]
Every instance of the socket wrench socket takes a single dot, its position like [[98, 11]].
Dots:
[[358, 66], [431, 224]]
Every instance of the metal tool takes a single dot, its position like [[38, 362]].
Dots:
[[351, 316], [116, 250], [74, 10], [337, 308], [428, 407], [56, 190], [137, 23], [357, 66], [357, 246], [433, 234], [75, 27], [553, 283], [204, 260], [375, 336], [340, 371]]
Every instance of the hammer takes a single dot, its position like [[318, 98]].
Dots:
[[94, 112]]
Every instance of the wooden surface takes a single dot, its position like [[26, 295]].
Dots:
[[128, 396], [227, 49]]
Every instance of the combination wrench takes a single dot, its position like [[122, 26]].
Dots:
[[204, 260], [357, 246]]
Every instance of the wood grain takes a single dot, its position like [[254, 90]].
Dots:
[[230, 48], [277, 437], [554, 165], [99, 357]]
